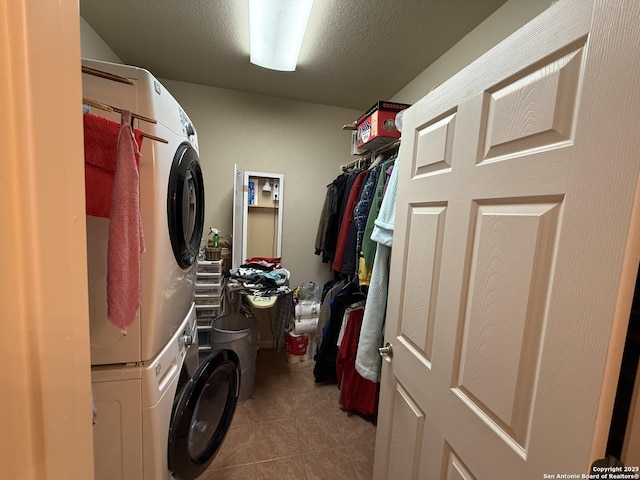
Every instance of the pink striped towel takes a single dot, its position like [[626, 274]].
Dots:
[[126, 241]]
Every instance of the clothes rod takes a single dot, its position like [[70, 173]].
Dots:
[[135, 115], [98, 105], [385, 149], [109, 76], [356, 163], [388, 148], [110, 108]]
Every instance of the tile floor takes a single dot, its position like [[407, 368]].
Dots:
[[292, 428]]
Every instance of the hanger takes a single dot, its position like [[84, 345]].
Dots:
[[351, 287], [391, 147], [357, 163], [369, 156], [110, 108], [380, 157], [377, 161]]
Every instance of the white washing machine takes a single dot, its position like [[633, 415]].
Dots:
[[172, 214], [166, 419]]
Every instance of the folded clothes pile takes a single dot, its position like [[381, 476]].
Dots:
[[262, 263], [254, 278]]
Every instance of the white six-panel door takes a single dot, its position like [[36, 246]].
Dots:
[[512, 264]]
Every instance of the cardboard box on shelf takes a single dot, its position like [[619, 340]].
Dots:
[[377, 127], [355, 150]]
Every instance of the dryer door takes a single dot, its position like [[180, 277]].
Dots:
[[185, 205], [202, 413]]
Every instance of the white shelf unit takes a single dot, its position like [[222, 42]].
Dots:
[[208, 300]]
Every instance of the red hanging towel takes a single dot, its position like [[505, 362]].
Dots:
[[100, 142], [126, 242]]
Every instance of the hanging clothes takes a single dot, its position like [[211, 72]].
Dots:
[[283, 319], [361, 213], [359, 220], [338, 188], [349, 335], [126, 241], [347, 219], [325, 367], [369, 246], [356, 392], [368, 361], [323, 223], [331, 289]]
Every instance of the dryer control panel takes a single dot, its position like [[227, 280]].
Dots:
[[188, 129]]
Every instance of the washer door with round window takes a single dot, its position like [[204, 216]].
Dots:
[[202, 412], [185, 205]]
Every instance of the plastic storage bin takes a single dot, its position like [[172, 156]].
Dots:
[[207, 300], [208, 289], [240, 334], [206, 266], [209, 278]]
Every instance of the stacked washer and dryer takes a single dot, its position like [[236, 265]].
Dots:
[[161, 414]]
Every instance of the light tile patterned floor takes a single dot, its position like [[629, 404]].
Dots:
[[292, 428]]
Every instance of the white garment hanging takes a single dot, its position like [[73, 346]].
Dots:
[[368, 362]]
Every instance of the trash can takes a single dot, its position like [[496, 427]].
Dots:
[[240, 334]]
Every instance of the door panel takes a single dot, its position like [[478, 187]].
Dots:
[[455, 469], [505, 293], [517, 183], [408, 426], [535, 110], [425, 238]]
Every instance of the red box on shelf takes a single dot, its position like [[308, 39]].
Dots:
[[377, 127]]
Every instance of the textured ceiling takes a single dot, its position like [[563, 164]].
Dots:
[[354, 52]]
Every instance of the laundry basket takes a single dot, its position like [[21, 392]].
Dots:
[[240, 334]]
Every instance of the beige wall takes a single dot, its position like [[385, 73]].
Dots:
[[303, 141], [92, 45], [504, 21]]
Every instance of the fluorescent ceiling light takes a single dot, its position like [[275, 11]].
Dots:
[[276, 29]]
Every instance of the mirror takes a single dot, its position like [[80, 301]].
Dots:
[[257, 215]]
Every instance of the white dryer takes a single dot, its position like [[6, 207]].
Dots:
[[172, 214], [166, 419]]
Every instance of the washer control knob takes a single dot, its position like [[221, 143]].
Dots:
[[187, 339], [190, 130]]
